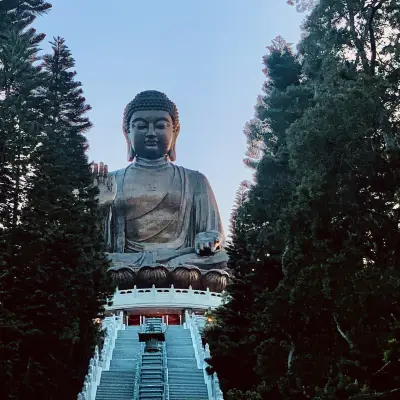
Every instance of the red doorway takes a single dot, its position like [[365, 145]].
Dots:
[[173, 319], [134, 320]]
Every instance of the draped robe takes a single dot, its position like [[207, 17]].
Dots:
[[156, 213]]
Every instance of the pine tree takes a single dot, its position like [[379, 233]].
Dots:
[[343, 227], [240, 198], [62, 266], [331, 327], [256, 244], [20, 83], [20, 97], [303, 5]]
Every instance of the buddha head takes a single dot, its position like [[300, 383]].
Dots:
[[151, 126]]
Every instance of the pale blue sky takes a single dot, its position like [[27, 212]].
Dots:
[[205, 55]]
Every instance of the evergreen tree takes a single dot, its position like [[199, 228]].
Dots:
[[20, 97], [347, 150], [330, 326], [62, 284], [240, 198], [20, 83], [256, 244], [302, 5], [69, 265]]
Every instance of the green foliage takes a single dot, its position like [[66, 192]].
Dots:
[[20, 97], [316, 245], [53, 270], [256, 244]]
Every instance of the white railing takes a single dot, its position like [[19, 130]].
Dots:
[[216, 392], [166, 384], [136, 389], [167, 297], [101, 361], [213, 388]]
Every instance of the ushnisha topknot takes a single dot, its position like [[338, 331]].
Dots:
[[149, 100]]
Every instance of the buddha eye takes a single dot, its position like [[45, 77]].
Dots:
[[140, 127], [161, 126]]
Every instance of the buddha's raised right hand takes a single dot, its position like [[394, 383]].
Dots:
[[104, 182]]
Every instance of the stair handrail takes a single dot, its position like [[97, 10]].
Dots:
[[215, 387], [165, 365], [101, 361], [137, 373], [211, 381]]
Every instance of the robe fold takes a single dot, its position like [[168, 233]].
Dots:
[[160, 209]]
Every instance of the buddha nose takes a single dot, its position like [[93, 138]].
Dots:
[[151, 130]]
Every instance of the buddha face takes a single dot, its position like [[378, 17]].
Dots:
[[151, 133]]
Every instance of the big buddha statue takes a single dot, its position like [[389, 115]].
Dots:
[[161, 221]]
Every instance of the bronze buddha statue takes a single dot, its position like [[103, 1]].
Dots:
[[162, 224]]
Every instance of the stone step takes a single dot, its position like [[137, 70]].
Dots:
[[188, 394], [188, 389], [118, 375], [149, 357], [178, 396], [127, 343], [151, 396], [178, 364], [151, 390], [112, 389], [151, 371], [126, 354], [194, 373], [127, 363], [151, 363], [180, 350], [132, 336], [117, 379], [151, 377], [189, 378], [152, 356]]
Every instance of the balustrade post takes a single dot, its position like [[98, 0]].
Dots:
[[121, 320], [173, 291]]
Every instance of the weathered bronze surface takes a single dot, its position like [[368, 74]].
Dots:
[[162, 223]]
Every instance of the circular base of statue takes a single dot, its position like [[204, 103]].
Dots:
[[161, 276]]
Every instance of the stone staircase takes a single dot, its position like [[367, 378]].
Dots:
[[186, 381], [118, 383], [151, 381], [153, 324]]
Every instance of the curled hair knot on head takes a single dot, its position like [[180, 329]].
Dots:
[[149, 100]]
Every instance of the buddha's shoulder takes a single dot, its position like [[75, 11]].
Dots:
[[117, 172], [192, 174]]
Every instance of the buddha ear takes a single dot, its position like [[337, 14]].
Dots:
[[172, 152], [131, 153]]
